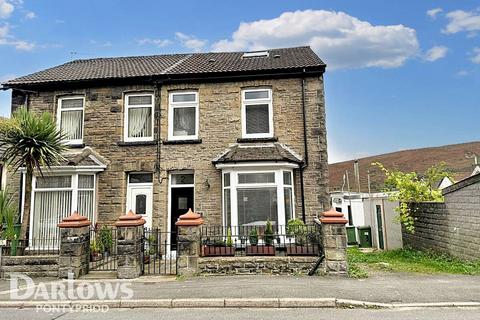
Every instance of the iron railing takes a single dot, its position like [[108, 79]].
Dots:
[[103, 248], [298, 240], [159, 255], [28, 247]]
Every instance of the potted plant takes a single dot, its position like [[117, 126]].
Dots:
[[219, 247], [254, 249], [106, 240], [9, 231], [95, 251], [151, 249], [299, 239]]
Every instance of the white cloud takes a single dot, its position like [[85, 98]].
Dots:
[[6, 9], [191, 42], [462, 73], [476, 55], [435, 53], [30, 15], [432, 13], [157, 42], [341, 40], [8, 40], [459, 20]]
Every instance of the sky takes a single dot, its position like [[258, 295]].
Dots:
[[400, 74]]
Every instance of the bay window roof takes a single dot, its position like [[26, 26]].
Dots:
[[258, 152]]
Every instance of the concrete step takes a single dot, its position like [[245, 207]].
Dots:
[[100, 275]]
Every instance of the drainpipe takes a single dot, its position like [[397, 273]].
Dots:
[[158, 114], [305, 147]]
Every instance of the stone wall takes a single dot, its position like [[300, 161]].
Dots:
[[220, 126], [32, 266], [451, 227], [258, 265]]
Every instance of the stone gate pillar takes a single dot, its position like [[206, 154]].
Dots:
[[188, 242], [74, 246], [129, 245], [334, 236]]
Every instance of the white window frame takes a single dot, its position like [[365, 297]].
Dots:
[[73, 188], [279, 184], [174, 105], [245, 103], [59, 116], [127, 107]]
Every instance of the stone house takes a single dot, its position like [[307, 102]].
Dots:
[[239, 137]]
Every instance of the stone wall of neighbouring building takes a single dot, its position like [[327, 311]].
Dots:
[[32, 266], [258, 265], [451, 227]]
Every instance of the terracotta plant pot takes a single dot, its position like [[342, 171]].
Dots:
[[212, 251], [260, 250], [294, 250]]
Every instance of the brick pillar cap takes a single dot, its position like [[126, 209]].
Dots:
[[74, 221], [130, 220], [333, 217], [189, 219]]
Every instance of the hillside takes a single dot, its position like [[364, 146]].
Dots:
[[417, 160]]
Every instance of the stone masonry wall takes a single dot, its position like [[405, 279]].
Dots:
[[452, 227], [32, 266], [258, 265], [220, 126]]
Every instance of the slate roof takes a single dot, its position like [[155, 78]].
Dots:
[[263, 152], [278, 60], [83, 157]]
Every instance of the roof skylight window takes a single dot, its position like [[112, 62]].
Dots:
[[255, 54]]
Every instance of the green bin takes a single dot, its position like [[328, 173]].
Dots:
[[351, 235], [365, 236]]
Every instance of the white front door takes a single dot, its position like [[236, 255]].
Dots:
[[139, 200]]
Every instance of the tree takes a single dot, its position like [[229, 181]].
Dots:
[[34, 143], [408, 188]]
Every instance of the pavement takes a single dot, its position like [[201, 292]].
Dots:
[[380, 290]]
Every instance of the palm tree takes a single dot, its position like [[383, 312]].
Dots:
[[32, 142]]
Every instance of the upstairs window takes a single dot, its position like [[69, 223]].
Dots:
[[138, 117], [257, 113], [183, 116], [70, 118]]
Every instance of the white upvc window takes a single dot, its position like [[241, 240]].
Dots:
[[257, 113], [55, 197], [70, 118], [139, 113], [183, 115], [253, 196]]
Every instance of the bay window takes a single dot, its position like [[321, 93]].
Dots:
[[56, 197], [252, 197], [183, 116], [70, 118], [257, 113], [138, 117]]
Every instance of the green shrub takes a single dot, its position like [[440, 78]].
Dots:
[[229, 238], [268, 234], [253, 237]]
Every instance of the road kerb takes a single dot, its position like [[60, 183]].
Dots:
[[252, 303], [237, 303], [307, 303]]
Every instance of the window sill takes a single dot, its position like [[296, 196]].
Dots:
[[191, 141], [272, 139], [76, 145], [136, 143]]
